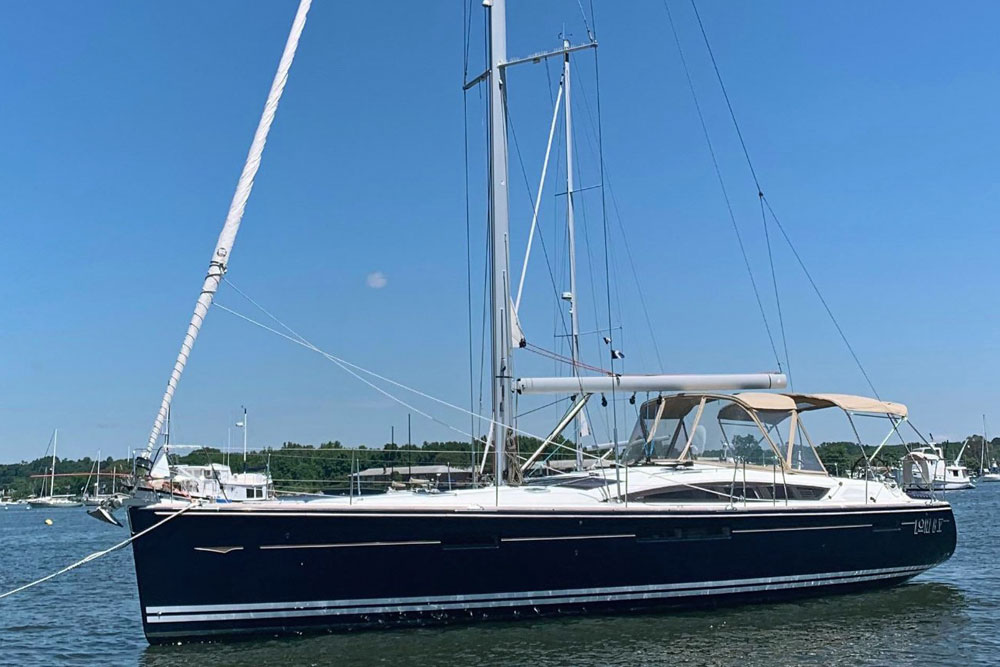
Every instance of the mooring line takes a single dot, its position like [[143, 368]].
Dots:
[[98, 554]]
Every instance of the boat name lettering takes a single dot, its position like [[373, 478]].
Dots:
[[928, 526]]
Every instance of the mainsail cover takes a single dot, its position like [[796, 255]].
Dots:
[[223, 248]]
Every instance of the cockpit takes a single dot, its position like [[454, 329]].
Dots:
[[757, 429]]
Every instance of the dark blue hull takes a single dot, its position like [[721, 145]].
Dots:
[[232, 570]]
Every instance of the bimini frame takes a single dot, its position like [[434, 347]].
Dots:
[[742, 407], [853, 406], [766, 411]]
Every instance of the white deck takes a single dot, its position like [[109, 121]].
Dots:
[[834, 492]]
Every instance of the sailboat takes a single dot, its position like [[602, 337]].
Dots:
[[95, 498], [718, 496], [52, 500], [991, 473]]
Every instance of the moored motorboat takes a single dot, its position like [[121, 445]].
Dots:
[[925, 469], [212, 482]]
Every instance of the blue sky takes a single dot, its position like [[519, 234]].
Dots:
[[125, 125]]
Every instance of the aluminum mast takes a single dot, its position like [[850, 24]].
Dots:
[[55, 443], [500, 306], [223, 248]]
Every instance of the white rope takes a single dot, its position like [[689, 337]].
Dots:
[[223, 248], [98, 554]]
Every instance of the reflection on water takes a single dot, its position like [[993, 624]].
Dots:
[[91, 616], [908, 624]]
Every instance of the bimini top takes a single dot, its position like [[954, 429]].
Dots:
[[764, 401], [769, 408], [848, 403], [678, 405]]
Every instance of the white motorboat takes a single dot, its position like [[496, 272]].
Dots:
[[925, 469], [215, 482]]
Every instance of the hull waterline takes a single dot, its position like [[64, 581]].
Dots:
[[293, 570]]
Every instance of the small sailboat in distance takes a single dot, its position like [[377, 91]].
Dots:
[[987, 473], [95, 498], [52, 500]]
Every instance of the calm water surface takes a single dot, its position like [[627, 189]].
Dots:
[[91, 616]]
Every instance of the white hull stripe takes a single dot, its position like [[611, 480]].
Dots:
[[265, 610], [787, 530], [340, 545], [555, 538]]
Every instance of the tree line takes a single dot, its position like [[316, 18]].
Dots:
[[327, 467], [293, 466]]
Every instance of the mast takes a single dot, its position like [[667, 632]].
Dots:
[[55, 443], [580, 425], [244, 424], [97, 484], [500, 306], [503, 318], [220, 257], [982, 454]]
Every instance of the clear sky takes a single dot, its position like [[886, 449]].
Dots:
[[123, 127]]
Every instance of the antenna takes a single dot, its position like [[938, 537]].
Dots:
[[580, 428]]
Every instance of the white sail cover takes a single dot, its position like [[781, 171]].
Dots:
[[161, 467], [223, 248], [594, 384]]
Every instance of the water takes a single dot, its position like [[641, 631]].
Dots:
[[91, 616]]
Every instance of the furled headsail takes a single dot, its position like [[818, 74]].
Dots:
[[223, 249]]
